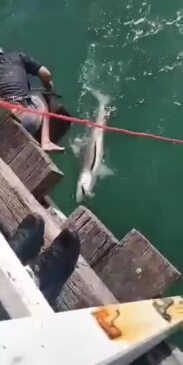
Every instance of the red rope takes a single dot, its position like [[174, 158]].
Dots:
[[18, 107]]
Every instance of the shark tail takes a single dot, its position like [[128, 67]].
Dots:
[[102, 99]]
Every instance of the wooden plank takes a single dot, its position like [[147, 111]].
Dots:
[[135, 269], [58, 216], [76, 294], [11, 140], [16, 202], [31, 162], [54, 211], [158, 356], [25, 156], [4, 114], [82, 217], [96, 239], [19, 295], [132, 269], [114, 334]]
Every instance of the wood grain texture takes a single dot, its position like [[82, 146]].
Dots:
[[162, 354], [25, 156], [76, 294], [58, 217], [132, 269], [96, 239], [16, 202]]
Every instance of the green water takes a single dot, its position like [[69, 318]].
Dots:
[[133, 51]]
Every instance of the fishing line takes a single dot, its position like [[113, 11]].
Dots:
[[89, 123]]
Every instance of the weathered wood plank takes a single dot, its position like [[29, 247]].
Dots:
[[54, 211], [132, 269], [11, 140], [135, 270], [35, 163], [158, 356], [4, 114], [96, 239], [25, 156], [16, 202], [76, 295], [58, 217]]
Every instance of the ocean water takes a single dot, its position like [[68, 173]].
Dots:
[[131, 50]]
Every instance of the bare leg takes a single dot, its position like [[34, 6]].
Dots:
[[46, 144], [32, 123]]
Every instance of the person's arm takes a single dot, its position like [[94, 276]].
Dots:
[[45, 77], [35, 68]]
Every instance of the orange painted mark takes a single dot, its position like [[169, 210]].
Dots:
[[133, 322], [103, 318]]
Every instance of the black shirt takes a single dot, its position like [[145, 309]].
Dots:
[[14, 70]]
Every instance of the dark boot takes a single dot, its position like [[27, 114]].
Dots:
[[29, 238], [53, 267]]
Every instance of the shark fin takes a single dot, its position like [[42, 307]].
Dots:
[[104, 171]]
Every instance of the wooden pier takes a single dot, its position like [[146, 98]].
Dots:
[[108, 271]]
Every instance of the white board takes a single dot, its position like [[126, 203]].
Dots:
[[107, 335], [18, 294]]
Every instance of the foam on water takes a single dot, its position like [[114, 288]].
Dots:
[[108, 73], [78, 144], [178, 62], [105, 69], [147, 25]]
